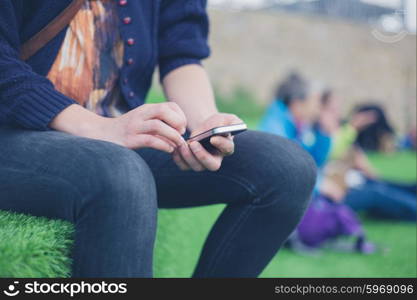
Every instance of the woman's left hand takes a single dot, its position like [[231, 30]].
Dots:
[[195, 157]]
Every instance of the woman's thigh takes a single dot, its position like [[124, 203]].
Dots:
[[53, 174]]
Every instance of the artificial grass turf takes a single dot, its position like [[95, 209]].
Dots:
[[34, 247]]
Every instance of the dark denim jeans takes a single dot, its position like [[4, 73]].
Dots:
[[384, 200], [111, 194]]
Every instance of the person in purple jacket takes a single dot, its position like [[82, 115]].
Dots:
[[78, 143]]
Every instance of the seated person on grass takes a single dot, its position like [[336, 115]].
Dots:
[[79, 144], [369, 193]]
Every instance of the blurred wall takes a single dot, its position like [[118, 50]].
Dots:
[[255, 50]]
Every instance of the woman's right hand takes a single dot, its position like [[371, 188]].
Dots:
[[157, 126]]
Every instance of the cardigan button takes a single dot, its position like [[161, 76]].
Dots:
[[130, 42], [131, 94], [127, 20], [130, 61], [125, 80], [122, 2]]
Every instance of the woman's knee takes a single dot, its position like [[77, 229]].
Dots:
[[301, 170], [283, 168]]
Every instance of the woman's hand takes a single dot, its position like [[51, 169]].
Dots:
[[157, 126], [194, 156]]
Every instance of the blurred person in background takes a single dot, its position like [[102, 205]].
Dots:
[[349, 177], [378, 136], [367, 192], [343, 156], [409, 142], [292, 114], [79, 144], [311, 118]]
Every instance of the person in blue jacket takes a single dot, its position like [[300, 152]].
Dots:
[[292, 115]]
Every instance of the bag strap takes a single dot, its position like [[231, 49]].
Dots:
[[35, 43]]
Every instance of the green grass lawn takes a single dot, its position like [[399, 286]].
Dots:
[[36, 247], [397, 167], [397, 259]]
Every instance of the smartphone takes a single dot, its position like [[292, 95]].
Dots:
[[204, 138]]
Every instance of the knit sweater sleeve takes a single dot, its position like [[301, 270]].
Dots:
[[182, 35], [26, 98]]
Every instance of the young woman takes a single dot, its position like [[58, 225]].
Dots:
[[78, 143]]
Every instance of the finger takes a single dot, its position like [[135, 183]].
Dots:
[[179, 161], [157, 127], [225, 145], [230, 119], [150, 141], [208, 160], [226, 119], [178, 109], [168, 141], [190, 159], [164, 112]]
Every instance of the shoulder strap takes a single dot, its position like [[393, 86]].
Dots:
[[47, 33]]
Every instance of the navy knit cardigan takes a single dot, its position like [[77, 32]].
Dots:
[[168, 33]]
